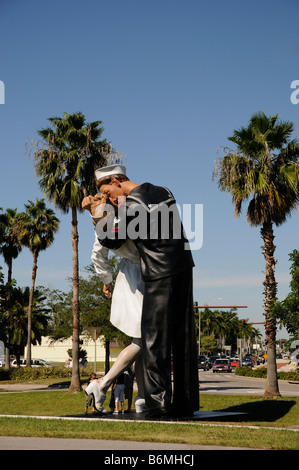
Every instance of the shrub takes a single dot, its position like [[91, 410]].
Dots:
[[32, 373], [294, 376], [262, 373], [247, 371], [36, 373]]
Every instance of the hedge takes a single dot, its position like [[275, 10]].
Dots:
[[262, 373], [35, 373]]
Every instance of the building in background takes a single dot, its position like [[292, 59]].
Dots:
[[57, 352]]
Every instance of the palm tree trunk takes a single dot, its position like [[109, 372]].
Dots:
[[29, 327], [270, 322], [7, 348], [75, 385]]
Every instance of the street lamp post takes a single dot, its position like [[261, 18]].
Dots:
[[95, 351], [95, 332]]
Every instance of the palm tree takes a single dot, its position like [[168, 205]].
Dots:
[[255, 336], [35, 229], [264, 168], [228, 321], [247, 333], [210, 322], [70, 153], [10, 249], [19, 319]]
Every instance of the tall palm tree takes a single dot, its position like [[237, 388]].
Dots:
[[264, 168], [65, 163], [36, 229], [10, 248]]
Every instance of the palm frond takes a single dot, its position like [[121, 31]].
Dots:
[[251, 171], [66, 159]]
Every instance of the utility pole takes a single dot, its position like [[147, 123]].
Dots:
[[195, 307]]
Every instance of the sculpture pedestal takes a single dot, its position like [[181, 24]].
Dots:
[[133, 416]]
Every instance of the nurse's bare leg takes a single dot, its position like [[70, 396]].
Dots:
[[127, 356]]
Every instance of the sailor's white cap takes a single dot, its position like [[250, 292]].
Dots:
[[105, 171]]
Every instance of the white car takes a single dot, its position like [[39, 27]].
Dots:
[[34, 363]]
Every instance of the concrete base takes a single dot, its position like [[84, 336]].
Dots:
[[133, 416]]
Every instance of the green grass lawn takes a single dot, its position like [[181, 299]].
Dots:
[[264, 415]]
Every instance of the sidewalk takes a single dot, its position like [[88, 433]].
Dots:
[[43, 443], [25, 387]]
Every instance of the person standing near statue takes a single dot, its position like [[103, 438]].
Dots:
[[167, 325]]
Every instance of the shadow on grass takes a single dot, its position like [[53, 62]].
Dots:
[[66, 383], [259, 411], [62, 384]]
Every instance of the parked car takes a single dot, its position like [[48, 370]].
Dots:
[[22, 363], [211, 360], [222, 365], [247, 361], [235, 363], [202, 362], [34, 363]]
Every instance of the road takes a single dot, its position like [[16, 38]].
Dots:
[[230, 384], [220, 383]]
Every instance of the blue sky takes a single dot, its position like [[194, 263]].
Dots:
[[170, 80]]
